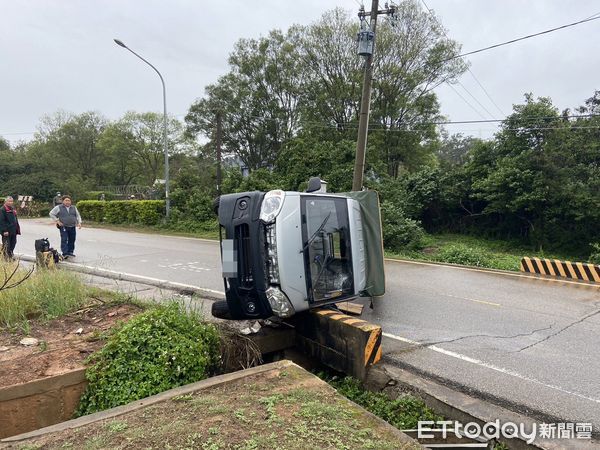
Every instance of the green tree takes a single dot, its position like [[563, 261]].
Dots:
[[120, 146], [144, 132]]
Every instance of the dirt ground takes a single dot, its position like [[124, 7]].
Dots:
[[61, 347], [286, 408]]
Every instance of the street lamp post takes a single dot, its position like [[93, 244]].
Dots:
[[166, 150]]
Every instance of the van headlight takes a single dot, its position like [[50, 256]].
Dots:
[[271, 205], [271, 254], [280, 304]]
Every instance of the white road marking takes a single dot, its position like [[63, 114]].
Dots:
[[477, 362]]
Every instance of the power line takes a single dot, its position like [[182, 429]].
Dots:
[[465, 100], [431, 13], [512, 41], [475, 98], [486, 92]]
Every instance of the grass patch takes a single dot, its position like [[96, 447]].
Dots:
[[46, 294], [475, 251]]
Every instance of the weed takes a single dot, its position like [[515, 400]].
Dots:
[[210, 444], [239, 415], [46, 294], [269, 403], [183, 398], [403, 413], [116, 426]]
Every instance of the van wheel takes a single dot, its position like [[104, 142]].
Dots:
[[220, 310]]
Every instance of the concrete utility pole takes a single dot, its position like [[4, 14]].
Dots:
[[365, 105], [218, 149], [165, 146]]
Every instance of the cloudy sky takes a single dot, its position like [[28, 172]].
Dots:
[[59, 54]]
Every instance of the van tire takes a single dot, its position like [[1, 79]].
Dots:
[[220, 310]]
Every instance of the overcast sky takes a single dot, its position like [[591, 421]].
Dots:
[[60, 54]]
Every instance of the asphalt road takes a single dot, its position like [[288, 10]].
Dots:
[[530, 344]]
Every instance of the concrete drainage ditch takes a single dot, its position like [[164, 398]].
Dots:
[[37, 404]]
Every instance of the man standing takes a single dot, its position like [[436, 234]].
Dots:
[[67, 218], [9, 227], [57, 200]]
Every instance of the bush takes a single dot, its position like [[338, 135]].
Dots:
[[34, 209], [146, 212], [595, 255], [153, 352], [403, 413], [399, 231], [465, 255]]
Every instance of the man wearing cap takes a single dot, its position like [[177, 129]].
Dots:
[[57, 200], [67, 218], [9, 227]]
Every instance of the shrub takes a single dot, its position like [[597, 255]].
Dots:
[[595, 255], [399, 231], [91, 210], [404, 412], [155, 351], [147, 212], [34, 209], [465, 255]]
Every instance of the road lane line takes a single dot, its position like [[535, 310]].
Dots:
[[492, 271], [477, 362], [471, 299]]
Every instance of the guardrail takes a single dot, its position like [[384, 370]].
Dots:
[[562, 269]]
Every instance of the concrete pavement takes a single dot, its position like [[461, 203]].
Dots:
[[528, 344]]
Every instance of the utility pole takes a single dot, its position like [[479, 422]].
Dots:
[[365, 103], [218, 149]]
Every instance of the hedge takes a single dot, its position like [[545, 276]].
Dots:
[[147, 212]]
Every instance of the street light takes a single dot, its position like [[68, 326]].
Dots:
[[168, 200]]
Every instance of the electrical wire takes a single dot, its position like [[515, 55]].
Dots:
[[431, 13], [512, 41], [465, 100]]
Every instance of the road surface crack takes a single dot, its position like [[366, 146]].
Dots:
[[529, 333], [587, 316]]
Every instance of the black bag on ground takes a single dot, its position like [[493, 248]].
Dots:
[[42, 245]]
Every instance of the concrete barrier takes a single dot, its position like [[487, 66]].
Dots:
[[561, 269], [37, 404], [342, 342]]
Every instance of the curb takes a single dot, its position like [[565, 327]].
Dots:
[[515, 273], [462, 407], [182, 288]]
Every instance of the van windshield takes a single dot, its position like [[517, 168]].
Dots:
[[326, 245]]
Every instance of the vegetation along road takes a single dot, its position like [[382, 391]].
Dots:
[[527, 343]]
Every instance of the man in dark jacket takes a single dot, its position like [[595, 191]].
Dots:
[[9, 227]]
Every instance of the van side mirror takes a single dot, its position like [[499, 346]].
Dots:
[[314, 184]]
